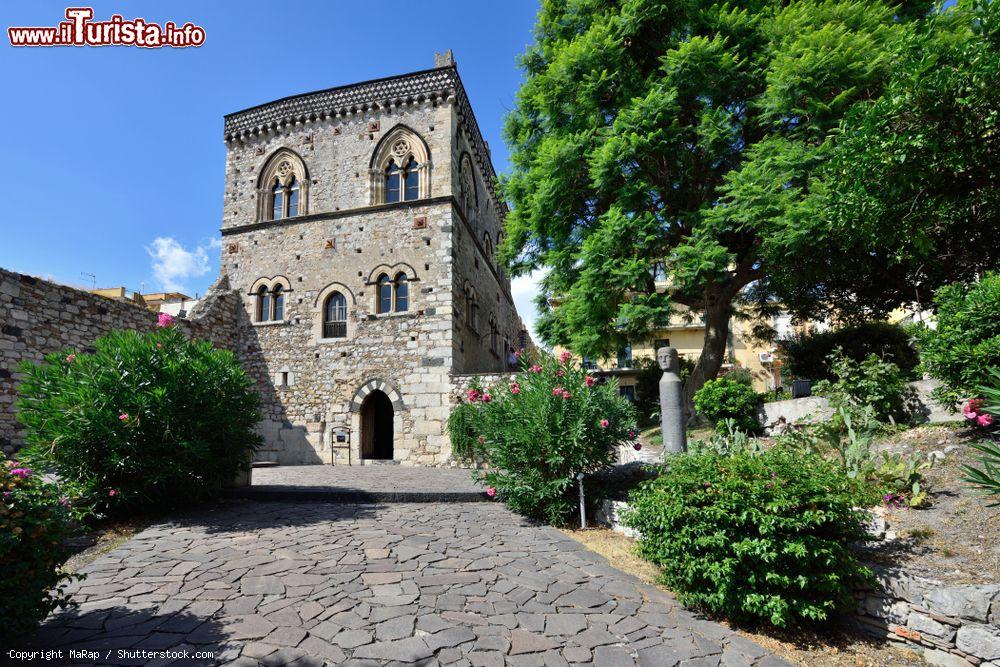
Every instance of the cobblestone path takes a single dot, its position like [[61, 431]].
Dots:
[[312, 584]]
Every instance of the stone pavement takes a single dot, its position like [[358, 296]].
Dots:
[[367, 484], [354, 584]]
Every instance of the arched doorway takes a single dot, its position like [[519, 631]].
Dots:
[[376, 426]]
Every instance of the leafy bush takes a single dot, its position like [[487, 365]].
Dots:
[[537, 430], [724, 399], [754, 536], [35, 521], [966, 340], [869, 382], [740, 374], [147, 421], [808, 356]]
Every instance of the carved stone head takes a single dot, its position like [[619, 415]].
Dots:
[[667, 358]]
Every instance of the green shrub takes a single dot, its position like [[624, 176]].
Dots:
[[147, 421], [723, 399], [749, 536], [965, 342], [808, 356], [35, 521], [869, 382], [740, 374], [537, 430]]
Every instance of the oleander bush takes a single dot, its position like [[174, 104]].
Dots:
[[754, 535], [965, 342], [537, 430], [146, 421], [808, 356], [727, 399], [36, 518]]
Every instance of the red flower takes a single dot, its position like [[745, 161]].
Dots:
[[637, 446], [605, 423], [491, 492], [590, 381]]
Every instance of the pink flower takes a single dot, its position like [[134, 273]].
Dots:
[[557, 391], [473, 396], [23, 473], [590, 381], [515, 388], [631, 433], [565, 357], [565, 394], [518, 353], [112, 493], [536, 368], [487, 398], [123, 416], [560, 372], [974, 404], [70, 358], [984, 419], [605, 423], [159, 346], [637, 446], [491, 492], [969, 414], [64, 501], [164, 320]]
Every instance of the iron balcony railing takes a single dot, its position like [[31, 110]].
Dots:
[[335, 330]]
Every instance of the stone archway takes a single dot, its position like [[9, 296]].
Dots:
[[377, 427], [379, 419]]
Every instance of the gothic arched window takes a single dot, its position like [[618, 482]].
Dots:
[[283, 187], [400, 168], [278, 304], [402, 293], [494, 334], [263, 304], [335, 316], [384, 294]]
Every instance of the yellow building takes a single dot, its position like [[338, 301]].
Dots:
[[687, 334]]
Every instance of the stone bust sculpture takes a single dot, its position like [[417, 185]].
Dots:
[[667, 358]]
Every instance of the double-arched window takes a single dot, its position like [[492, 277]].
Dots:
[[270, 304], [283, 187], [393, 293], [471, 306], [400, 168], [335, 316]]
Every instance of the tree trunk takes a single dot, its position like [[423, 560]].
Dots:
[[713, 352]]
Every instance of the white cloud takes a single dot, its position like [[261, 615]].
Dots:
[[524, 289], [173, 264]]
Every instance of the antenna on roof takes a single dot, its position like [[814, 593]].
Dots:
[[93, 279]]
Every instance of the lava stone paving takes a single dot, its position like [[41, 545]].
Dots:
[[362, 584]]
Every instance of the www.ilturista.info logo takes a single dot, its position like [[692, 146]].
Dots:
[[80, 30]]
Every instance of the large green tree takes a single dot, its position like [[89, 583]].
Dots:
[[686, 137]]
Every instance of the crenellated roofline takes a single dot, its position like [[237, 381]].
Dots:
[[439, 83]]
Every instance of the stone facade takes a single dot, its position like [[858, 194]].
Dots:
[[335, 146], [38, 317]]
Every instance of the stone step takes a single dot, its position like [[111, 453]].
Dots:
[[281, 493]]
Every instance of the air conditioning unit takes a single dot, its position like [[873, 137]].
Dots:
[[766, 357]]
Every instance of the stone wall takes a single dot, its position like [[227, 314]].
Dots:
[[954, 625], [38, 317]]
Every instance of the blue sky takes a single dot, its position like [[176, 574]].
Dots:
[[113, 156]]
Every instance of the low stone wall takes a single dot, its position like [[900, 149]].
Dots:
[[954, 625], [38, 317], [774, 416]]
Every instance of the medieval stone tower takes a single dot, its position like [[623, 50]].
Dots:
[[360, 224]]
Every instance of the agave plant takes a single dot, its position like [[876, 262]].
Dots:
[[987, 477]]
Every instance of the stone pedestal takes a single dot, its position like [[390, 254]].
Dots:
[[672, 421]]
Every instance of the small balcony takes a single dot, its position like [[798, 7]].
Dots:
[[335, 330]]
